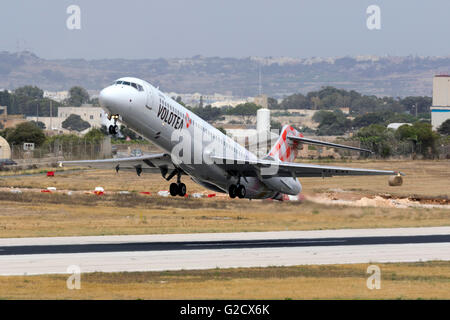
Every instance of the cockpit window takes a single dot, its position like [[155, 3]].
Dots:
[[132, 84]]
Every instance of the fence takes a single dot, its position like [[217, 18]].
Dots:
[[58, 150]]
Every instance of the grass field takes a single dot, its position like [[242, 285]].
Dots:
[[424, 178], [39, 214], [430, 280], [35, 214]]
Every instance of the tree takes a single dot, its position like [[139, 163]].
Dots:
[[445, 127], [94, 135], [331, 123], [376, 138], [40, 124], [423, 137], [246, 110], [207, 113], [26, 132], [74, 122], [272, 103], [294, 101], [30, 91], [367, 119], [78, 96]]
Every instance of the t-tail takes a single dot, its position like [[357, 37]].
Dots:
[[290, 141]]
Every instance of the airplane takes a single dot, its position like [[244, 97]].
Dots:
[[210, 158]]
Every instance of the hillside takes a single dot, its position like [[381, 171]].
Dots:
[[392, 76]]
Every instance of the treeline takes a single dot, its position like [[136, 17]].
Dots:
[[413, 140], [31, 132], [330, 98], [30, 101], [337, 123], [210, 113]]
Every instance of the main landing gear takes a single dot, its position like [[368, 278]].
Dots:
[[176, 189], [113, 129], [237, 190]]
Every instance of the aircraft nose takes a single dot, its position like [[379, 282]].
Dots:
[[108, 99]]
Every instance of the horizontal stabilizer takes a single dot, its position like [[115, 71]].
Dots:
[[325, 144]]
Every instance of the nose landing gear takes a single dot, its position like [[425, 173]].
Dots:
[[113, 129]]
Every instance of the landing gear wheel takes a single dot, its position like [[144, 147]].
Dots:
[[173, 189], [181, 189], [232, 191], [240, 191], [113, 129]]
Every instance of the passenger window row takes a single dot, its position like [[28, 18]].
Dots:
[[138, 87]]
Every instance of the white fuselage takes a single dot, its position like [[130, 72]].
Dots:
[[162, 120]]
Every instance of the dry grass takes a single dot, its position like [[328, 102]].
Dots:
[[425, 178], [429, 280], [38, 214], [35, 214]]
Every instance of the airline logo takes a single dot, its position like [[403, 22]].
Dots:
[[284, 150], [188, 120], [169, 117]]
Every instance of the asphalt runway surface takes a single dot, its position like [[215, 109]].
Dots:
[[201, 245], [222, 250]]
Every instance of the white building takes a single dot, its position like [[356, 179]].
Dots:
[[396, 125], [95, 116], [59, 96], [440, 110]]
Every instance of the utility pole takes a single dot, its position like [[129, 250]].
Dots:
[[260, 83], [51, 127]]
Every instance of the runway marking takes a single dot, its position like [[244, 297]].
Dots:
[[260, 243]]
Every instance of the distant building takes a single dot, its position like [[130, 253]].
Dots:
[[262, 101], [58, 96], [95, 116], [440, 110], [397, 125], [9, 121]]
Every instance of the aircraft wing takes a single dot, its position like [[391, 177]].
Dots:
[[152, 163], [270, 168]]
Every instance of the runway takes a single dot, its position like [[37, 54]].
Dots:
[[20, 256]]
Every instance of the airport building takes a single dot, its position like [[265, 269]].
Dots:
[[95, 116], [9, 121], [440, 110]]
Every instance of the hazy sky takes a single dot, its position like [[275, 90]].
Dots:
[[226, 28]]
